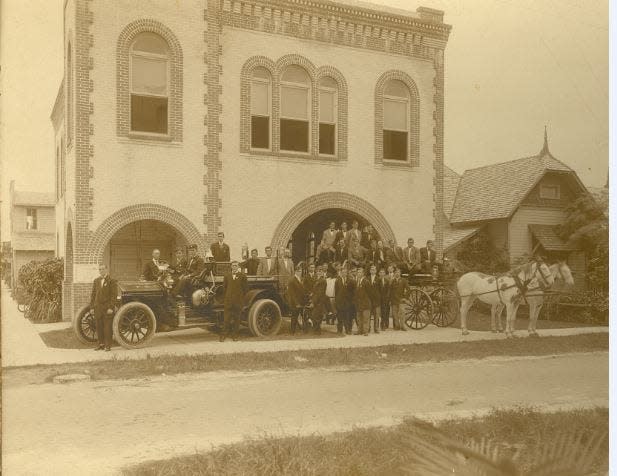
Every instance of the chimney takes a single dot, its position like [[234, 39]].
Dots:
[[430, 14]]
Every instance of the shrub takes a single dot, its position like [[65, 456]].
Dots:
[[42, 284], [479, 254]]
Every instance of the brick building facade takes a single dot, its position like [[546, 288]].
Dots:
[[258, 118]]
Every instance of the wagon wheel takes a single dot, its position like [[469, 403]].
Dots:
[[417, 309], [445, 307], [134, 325], [264, 318]]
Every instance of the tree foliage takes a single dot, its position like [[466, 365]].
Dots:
[[42, 284], [479, 254], [586, 226]]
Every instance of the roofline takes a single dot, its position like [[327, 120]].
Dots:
[[57, 110], [457, 242]]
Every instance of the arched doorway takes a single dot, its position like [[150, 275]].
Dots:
[[131, 246], [314, 226]]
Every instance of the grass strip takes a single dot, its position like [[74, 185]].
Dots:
[[379, 451], [291, 360]]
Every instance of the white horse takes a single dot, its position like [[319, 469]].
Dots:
[[535, 298], [503, 290]]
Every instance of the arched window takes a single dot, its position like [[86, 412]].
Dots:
[[149, 84], [395, 121], [328, 114], [261, 101], [69, 95], [295, 109]]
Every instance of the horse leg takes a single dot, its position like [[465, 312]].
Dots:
[[466, 303], [533, 319], [494, 308], [499, 311]]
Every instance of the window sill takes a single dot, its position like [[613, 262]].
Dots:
[[293, 157], [395, 164], [146, 139], [146, 136]]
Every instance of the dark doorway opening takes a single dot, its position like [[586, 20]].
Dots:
[[317, 224]]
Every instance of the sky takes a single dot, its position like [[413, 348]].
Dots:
[[512, 67]]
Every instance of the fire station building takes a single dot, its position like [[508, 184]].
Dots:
[[262, 119]]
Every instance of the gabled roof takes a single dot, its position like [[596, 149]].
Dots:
[[33, 198], [454, 236], [495, 191]]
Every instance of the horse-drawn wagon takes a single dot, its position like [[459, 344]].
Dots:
[[432, 299]]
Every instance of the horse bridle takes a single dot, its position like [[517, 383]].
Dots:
[[544, 284]]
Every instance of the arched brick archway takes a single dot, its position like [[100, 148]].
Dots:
[[316, 203], [133, 213]]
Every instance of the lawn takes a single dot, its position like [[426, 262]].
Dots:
[[386, 451], [291, 360]]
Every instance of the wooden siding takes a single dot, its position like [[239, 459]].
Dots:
[[519, 236], [566, 196], [45, 219], [498, 232]]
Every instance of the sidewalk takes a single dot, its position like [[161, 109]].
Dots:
[[21, 344]]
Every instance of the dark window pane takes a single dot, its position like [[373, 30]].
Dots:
[[294, 135], [260, 132], [394, 145], [148, 114], [326, 138]]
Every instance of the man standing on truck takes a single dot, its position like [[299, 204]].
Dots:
[[235, 287], [102, 302]]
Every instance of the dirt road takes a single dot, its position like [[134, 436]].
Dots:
[[99, 427]]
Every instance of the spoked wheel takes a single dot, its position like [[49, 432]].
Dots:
[[417, 309], [445, 307], [264, 318], [84, 326], [134, 325]]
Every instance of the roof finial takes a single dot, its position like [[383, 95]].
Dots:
[[545, 150]]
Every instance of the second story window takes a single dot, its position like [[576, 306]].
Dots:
[[328, 113], [550, 192], [395, 121], [31, 219], [149, 84], [260, 108], [295, 109]]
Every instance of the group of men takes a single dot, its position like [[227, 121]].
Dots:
[[365, 247]]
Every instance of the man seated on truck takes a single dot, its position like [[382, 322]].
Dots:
[[194, 268]]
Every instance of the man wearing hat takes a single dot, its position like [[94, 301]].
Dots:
[[194, 268]]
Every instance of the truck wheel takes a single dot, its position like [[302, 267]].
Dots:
[[134, 325], [84, 326], [264, 318]]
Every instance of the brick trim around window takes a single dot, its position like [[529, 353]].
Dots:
[[125, 39], [276, 69], [413, 146]]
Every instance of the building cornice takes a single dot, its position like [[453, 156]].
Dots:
[[332, 22]]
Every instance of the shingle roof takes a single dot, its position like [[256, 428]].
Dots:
[[33, 241], [495, 191], [451, 181], [454, 236], [33, 198], [548, 238]]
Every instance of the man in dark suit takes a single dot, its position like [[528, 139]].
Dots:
[[375, 298], [235, 287], [251, 264], [411, 257], [151, 270], [296, 297], [220, 249], [320, 300], [399, 288], [194, 268], [384, 298], [310, 278], [102, 301], [343, 297], [342, 251], [394, 254], [428, 255], [179, 267], [267, 265], [343, 234], [362, 301]]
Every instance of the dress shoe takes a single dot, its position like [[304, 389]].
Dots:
[[100, 347], [234, 338], [221, 338], [107, 349]]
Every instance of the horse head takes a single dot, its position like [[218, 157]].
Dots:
[[561, 271], [543, 274]]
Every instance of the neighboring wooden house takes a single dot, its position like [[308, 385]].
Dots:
[[518, 204], [33, 226]]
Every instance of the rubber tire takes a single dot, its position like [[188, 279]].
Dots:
[[252, 318], [151, 323], [76, 324]]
